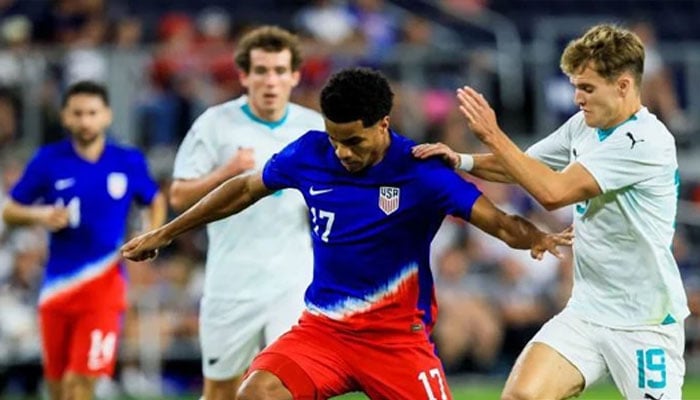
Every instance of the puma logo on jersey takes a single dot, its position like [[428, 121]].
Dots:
[[634, 141], [316, 192]]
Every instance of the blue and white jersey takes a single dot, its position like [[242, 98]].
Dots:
[[625, 274], [83, 268], [371, 230]]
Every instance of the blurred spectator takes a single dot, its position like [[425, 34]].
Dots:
[[328, 21], [468, 333], [19, 292], [128, 33], [379, 25], [168, 106], [658, 89]]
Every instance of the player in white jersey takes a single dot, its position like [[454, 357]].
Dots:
[[259, 262], [616, 163]]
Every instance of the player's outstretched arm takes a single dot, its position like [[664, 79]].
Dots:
[[550, 188], [232, 196], [484, 166], [516, 231], [53, 218]]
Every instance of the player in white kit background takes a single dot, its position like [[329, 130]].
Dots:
[[616, 163], [259, 262]]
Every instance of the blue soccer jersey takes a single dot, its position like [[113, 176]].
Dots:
[[83, 269], [371, 230]]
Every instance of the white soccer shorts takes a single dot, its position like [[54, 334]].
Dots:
[[644, 362], [232, 332]]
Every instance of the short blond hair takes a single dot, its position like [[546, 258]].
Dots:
[[610, 50]]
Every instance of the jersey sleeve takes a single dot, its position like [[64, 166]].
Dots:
[[616, 164], [33, 184], [196, 156], [282, 169], [144, 186], [451, 192], [554, 150]]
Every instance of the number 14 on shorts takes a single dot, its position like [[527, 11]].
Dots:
[[651, 368], [426, 377]]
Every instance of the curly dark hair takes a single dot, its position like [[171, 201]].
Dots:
[[354, 94]]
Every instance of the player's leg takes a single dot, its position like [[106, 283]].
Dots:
[[647, 364], [93, 353], [402, 366], [565, 348], [230, 333], [80, 387], [308, 362], [54, 334]]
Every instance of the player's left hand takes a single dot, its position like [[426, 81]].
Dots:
[[550, 241], [481, 118], [144, 247], [438, 149]]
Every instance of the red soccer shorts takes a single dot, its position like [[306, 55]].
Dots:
[[82, 342], [318, 359]]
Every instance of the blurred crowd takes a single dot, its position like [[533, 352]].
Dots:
[[492, 299]]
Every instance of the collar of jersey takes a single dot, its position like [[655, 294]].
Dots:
[[604, 133], [270, 124]]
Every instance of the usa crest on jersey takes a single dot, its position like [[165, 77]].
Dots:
[[388, 199], [116, 185]]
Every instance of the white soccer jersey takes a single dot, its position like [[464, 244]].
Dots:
[[266, 249], [625, 274]]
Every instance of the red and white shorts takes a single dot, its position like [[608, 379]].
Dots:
[[84, 342], [316, 361]]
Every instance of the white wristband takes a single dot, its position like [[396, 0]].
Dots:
[[466, 162]]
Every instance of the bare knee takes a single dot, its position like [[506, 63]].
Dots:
[[519, 393], [221, 389], [263, 385]]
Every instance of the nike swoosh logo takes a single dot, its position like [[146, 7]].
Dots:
[[319, 191], [64, 183]]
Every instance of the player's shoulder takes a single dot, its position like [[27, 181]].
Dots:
[[224, 112], [646, 126], [299, 111], [55, 149], [125, 152], [303, 118]]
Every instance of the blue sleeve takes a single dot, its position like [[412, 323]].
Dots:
[[34, 182], [144, 187], [451, 192], [280, 170]]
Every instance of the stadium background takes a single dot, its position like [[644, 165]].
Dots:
[[163, 68]]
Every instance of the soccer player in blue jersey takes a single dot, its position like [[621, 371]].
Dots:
[[374, 210], [615, 162], [81, 189]]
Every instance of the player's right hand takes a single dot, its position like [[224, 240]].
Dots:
[[54, 218], [144, 247], [242, 161], [438, 149]]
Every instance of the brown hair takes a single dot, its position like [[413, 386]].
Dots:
[[611, 50], [268, 38]]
